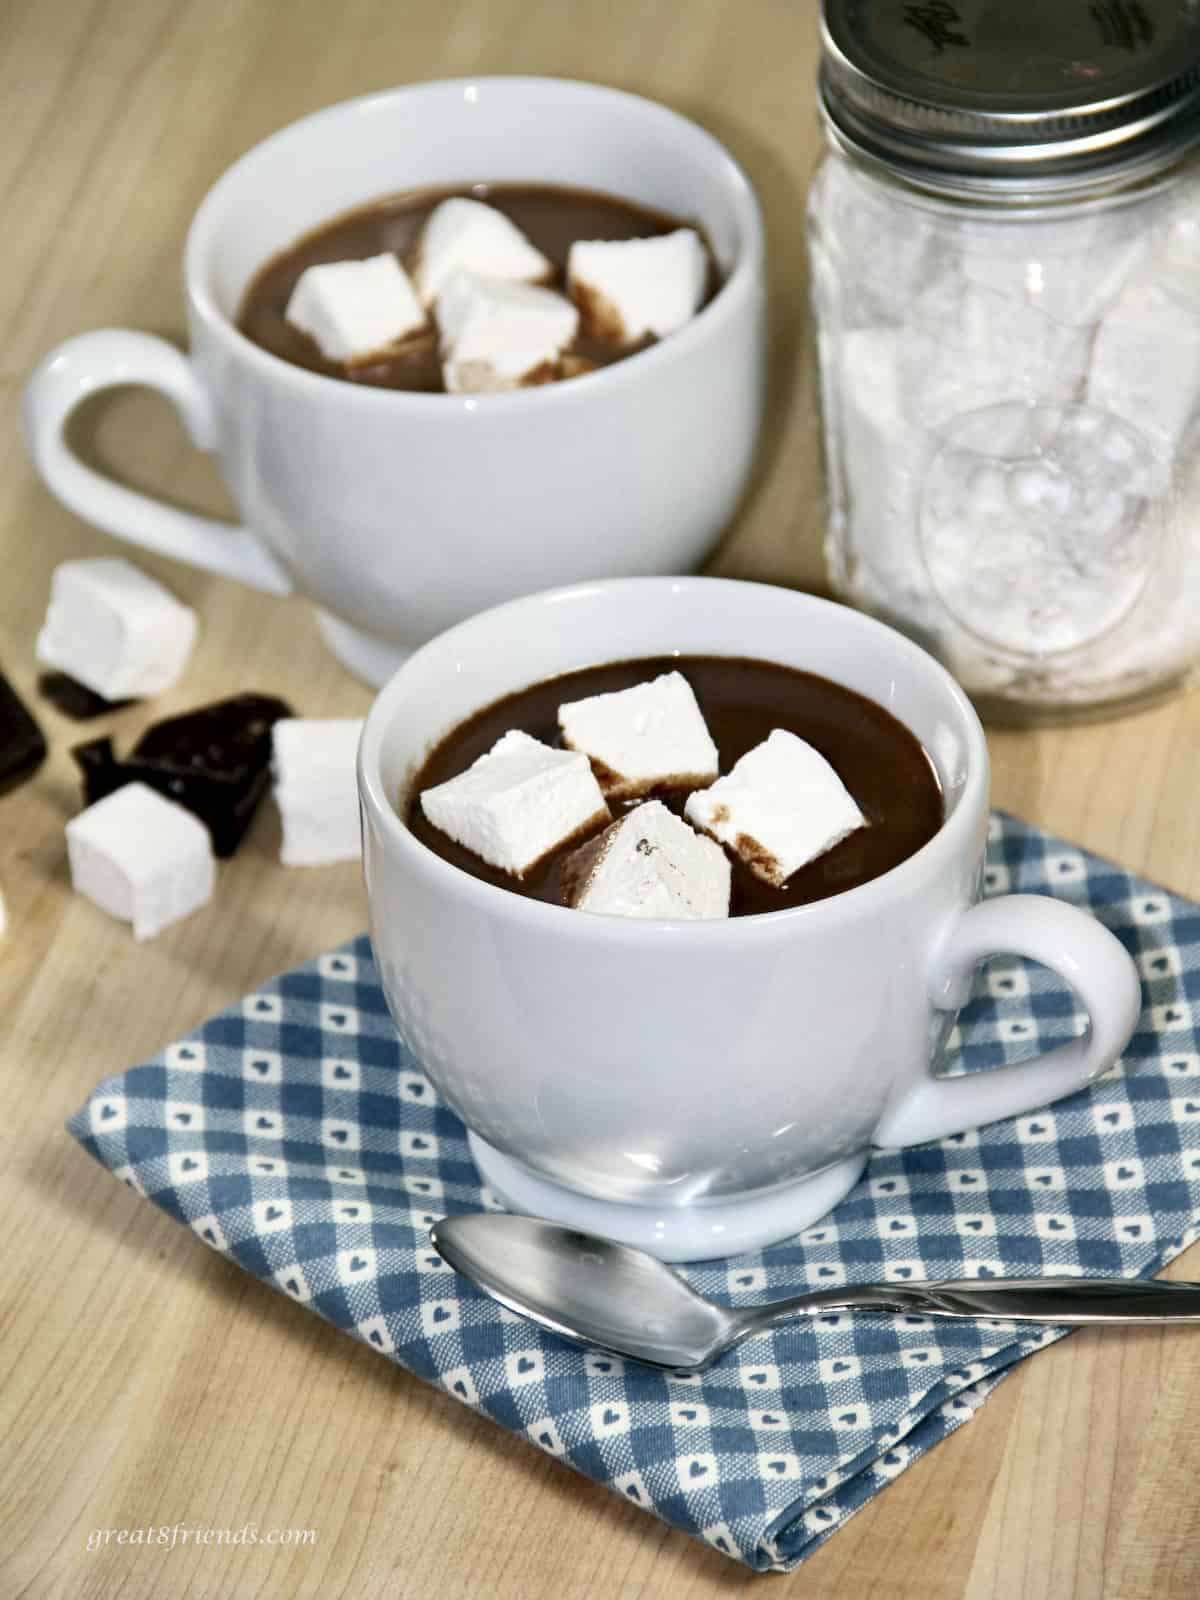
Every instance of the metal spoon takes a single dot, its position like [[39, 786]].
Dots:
[[626, 1303]]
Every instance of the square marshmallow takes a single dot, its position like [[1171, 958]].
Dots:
[[649, 864], [115, 629], [781, 806], [467, 235], [653, 733], [141, 858], [1146, 365], [518, 802], [497, 335], [628, 288], [354, 309], [316, 789]]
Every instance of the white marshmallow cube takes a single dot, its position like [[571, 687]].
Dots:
[[1146, 366], [141, 858], [115, 629], [355, 309], [650, 864], [653, 733], [467, 235], [497, 335], [628, 288], [316, 790], [956, 354], [781, 806], [518, 802], [1070, 267]]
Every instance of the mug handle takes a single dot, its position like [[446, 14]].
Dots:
[[104, 360], [1072, 943]]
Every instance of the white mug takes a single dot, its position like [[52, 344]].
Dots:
[[399, 514], [701, 1088]]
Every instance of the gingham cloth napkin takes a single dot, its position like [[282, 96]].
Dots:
[[294, 1134]]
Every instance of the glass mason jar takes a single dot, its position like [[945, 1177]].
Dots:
[[1005, 276]]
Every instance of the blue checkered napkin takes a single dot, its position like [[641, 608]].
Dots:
[[294, 1134]]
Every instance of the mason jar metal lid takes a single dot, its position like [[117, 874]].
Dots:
[[997, 98]]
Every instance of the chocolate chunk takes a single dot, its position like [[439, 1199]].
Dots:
[[215, 761], [22, 748], [75, 699]]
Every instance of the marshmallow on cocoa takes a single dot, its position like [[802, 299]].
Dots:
[[497, 335], [649, 864], [354, 310], [627, 289], [650, 736], [463, 234], [781, 806], [518, 802]]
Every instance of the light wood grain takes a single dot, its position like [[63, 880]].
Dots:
[[144, 1381]]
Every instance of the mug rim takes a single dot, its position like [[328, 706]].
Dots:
[[741, 283], [951, 837]]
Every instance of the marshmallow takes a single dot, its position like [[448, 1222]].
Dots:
[[116, 630], [638, 738], [956, 354], [497, 335], [781, 806], [1146, 365], [1070, 267], [3, 917], [649, 864], [315, 788], [355, 309], [628, 288], [141, 858], [518, 802], [851, 212], [876, 455], [468, 235]]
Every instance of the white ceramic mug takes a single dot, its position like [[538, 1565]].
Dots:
[[699, 1088], [400, 514]]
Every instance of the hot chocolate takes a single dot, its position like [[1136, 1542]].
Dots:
[[881, 764], [552, 219]]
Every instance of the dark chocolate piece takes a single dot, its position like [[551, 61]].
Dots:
[[75, 699], [22, 748], [215, 761]]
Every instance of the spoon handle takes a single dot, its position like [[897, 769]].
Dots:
[[1062, 1301]]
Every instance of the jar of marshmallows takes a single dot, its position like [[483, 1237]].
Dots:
[[1005, 273]]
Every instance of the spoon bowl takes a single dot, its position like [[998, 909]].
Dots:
[[589, 1290]]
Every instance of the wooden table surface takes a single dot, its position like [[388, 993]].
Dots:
[[146, 1381]]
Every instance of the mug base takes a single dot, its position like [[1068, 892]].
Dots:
[[689, 1233], [364, 654]]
